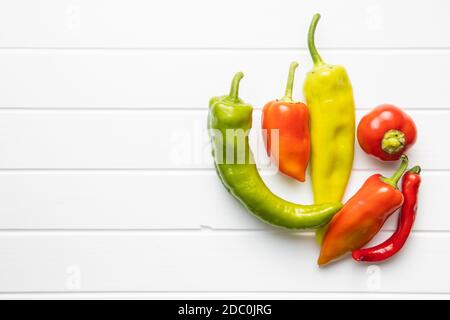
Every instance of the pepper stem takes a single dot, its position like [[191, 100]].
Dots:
[[393, 141], [234, 90], [317, 59], [415, 169], [397, 174], [290, 82]]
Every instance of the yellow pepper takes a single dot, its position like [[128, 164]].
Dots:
[[329, 97]]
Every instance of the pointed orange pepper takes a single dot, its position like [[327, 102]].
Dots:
[[291, 119], [363, 215]]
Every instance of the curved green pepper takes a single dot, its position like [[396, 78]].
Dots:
[[329, 97], [229, 122]]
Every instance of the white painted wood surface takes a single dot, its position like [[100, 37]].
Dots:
[[178, 79], [106, 183]]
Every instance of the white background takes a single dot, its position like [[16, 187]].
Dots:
[[106, 184]]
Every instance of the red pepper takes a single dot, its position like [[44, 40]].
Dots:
[[386, 132], [385, 250], [363, 215], [291, 119]]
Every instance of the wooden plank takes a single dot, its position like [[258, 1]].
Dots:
[[158, 140], [232, 23], [132, 79], [209, 261], [167, 200]]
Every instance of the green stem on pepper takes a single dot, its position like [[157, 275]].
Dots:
[[290, 82], [397, 174], [317, 59], [234, 90]]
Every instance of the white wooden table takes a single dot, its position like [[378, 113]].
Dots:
[[106, 184]]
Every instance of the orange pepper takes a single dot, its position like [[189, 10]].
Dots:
[[291, 119], [363, 215]]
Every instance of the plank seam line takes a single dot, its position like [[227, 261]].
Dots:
[[172, 231], [225, 291], [156, 170], [172, 109], [225, 49]]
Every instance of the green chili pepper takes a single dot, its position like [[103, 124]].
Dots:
[[229, 122], [329, 97]]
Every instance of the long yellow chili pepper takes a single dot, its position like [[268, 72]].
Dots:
[[329, 97]]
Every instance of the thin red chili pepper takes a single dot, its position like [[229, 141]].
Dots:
[[383, 251]]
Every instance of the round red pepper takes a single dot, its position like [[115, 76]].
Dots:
[[386, 132]]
